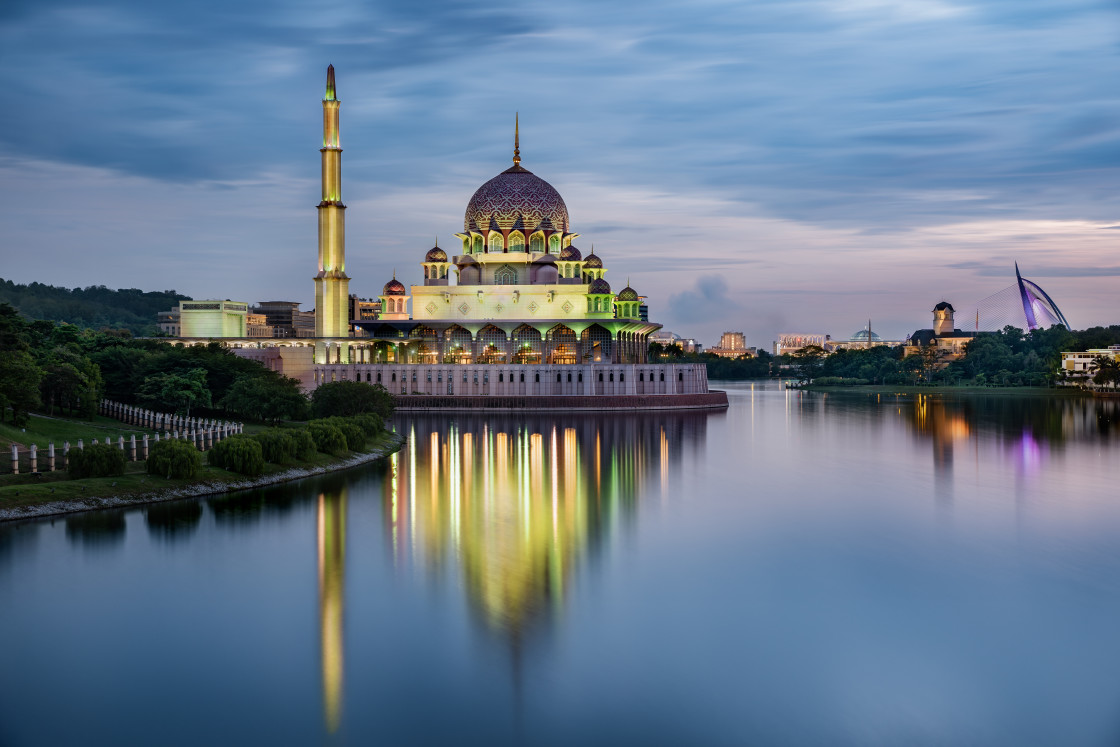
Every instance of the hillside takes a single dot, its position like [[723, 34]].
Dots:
[[95, 306]]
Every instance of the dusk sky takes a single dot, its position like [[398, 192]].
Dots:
[[759, 166]]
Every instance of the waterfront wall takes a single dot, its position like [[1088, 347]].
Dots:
[[444, 403], [525, 380]]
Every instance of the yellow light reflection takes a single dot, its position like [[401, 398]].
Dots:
[[331, 525]]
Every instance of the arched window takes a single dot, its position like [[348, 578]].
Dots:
[[497, 244], [478, 245], [505, 275], [516, 242], [554, 244], [536, 242], [467, 245]]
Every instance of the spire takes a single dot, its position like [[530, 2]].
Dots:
[[517, 139], [330, 95]]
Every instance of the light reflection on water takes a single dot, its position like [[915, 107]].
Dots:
[[801, 569]]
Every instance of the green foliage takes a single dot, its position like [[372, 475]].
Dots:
[[343, 398], [97, 460], [174, 391], [93, 307], [370, 423], [278, 445], [240, 454], [19, 374], [355, 435], [267, 397], [305, 444], [328, 438], [174, 459], [839, 381]]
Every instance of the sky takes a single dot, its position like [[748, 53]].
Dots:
[[768, 167]]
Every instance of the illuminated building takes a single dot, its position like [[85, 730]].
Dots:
[[947, 342], [789, 342], [862, 340], [1078, 366], [213, 318], [731, 345], [332, 286]]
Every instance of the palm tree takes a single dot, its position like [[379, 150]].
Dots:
[[1105, 370]]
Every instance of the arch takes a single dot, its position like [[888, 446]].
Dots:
[[554, 244], [563, 345], [536, 242], [505, 275], [492, 344], [526, 345], [458, 345], [495, 243], [466, 245], [597, 344], [516, 241], [477, 244], [428, 349]]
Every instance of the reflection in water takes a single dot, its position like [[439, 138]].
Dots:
[[96, 528], [173, 521], [518, 501], [331, 525]]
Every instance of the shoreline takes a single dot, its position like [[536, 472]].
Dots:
[[199, 489], [996, 391]]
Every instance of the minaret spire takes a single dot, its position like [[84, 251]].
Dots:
[[517, 139], [332, 285]]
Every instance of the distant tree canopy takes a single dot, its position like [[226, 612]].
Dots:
[[93, 307], [63, 367], [1009, 357], [344, 398]]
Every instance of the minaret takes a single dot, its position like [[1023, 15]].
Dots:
[[332, 286]]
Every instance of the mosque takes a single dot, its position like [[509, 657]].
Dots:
[[515, 315]]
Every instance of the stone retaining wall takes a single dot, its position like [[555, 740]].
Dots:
[[424, 403]]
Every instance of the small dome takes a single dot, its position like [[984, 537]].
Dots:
[[465, 259], [393, 288], [861, 336], [628, 294], [599, 286], [545, 259], [435, 254], [943, 306], [593, 262], [571, 254]]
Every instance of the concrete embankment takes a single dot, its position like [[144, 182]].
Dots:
[[198, 489]]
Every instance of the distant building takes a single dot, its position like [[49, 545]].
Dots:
[[947, 341], [212, 318], [256, 325], [669, 339], [285, 318], [643, 311], [168, 322], [1078, 366], [789, 343], [731, 345], [862, 340]]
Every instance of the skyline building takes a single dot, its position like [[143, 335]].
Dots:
[[332, 285]]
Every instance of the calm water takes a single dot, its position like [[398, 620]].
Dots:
[[801, 569]]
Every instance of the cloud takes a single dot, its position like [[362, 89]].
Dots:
[[705, 302]]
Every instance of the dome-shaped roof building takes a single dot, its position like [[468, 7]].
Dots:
[[861, 336], [628, 294], [592, 261], [516, 193], [435, 254], [394, 288], [570, 254], [598, 286]]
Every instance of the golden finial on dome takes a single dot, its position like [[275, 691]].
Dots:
[[516, 139]]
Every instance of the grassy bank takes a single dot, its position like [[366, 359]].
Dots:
[[42, 430], [27, 492], [987, 391]]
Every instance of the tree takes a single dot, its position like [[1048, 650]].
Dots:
[[266, 398], [1105, 370], [807, 362], [19, 373], [177, 392], [344, 398]]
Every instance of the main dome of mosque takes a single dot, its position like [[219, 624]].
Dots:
[[516, 193]]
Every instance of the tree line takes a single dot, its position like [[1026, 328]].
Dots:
[[92, 307], [1009, 357], [63, 369]]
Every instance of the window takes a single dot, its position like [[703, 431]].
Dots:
[[554, 244], [505, 275], [368, 377], [464, 377], [536, 243], [497, 244], [516, 242], [537, 378], [569, 378], [641, 376], [522, 377], [378, 377], [557, 378], [612, 375], [500, 378], [439, 377], [600, 377], [394, 376], [680, 377], [580, 379], [663, 376], [429, 377], [622, 377]]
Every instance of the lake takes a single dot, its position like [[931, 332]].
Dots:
[[801, 569]]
